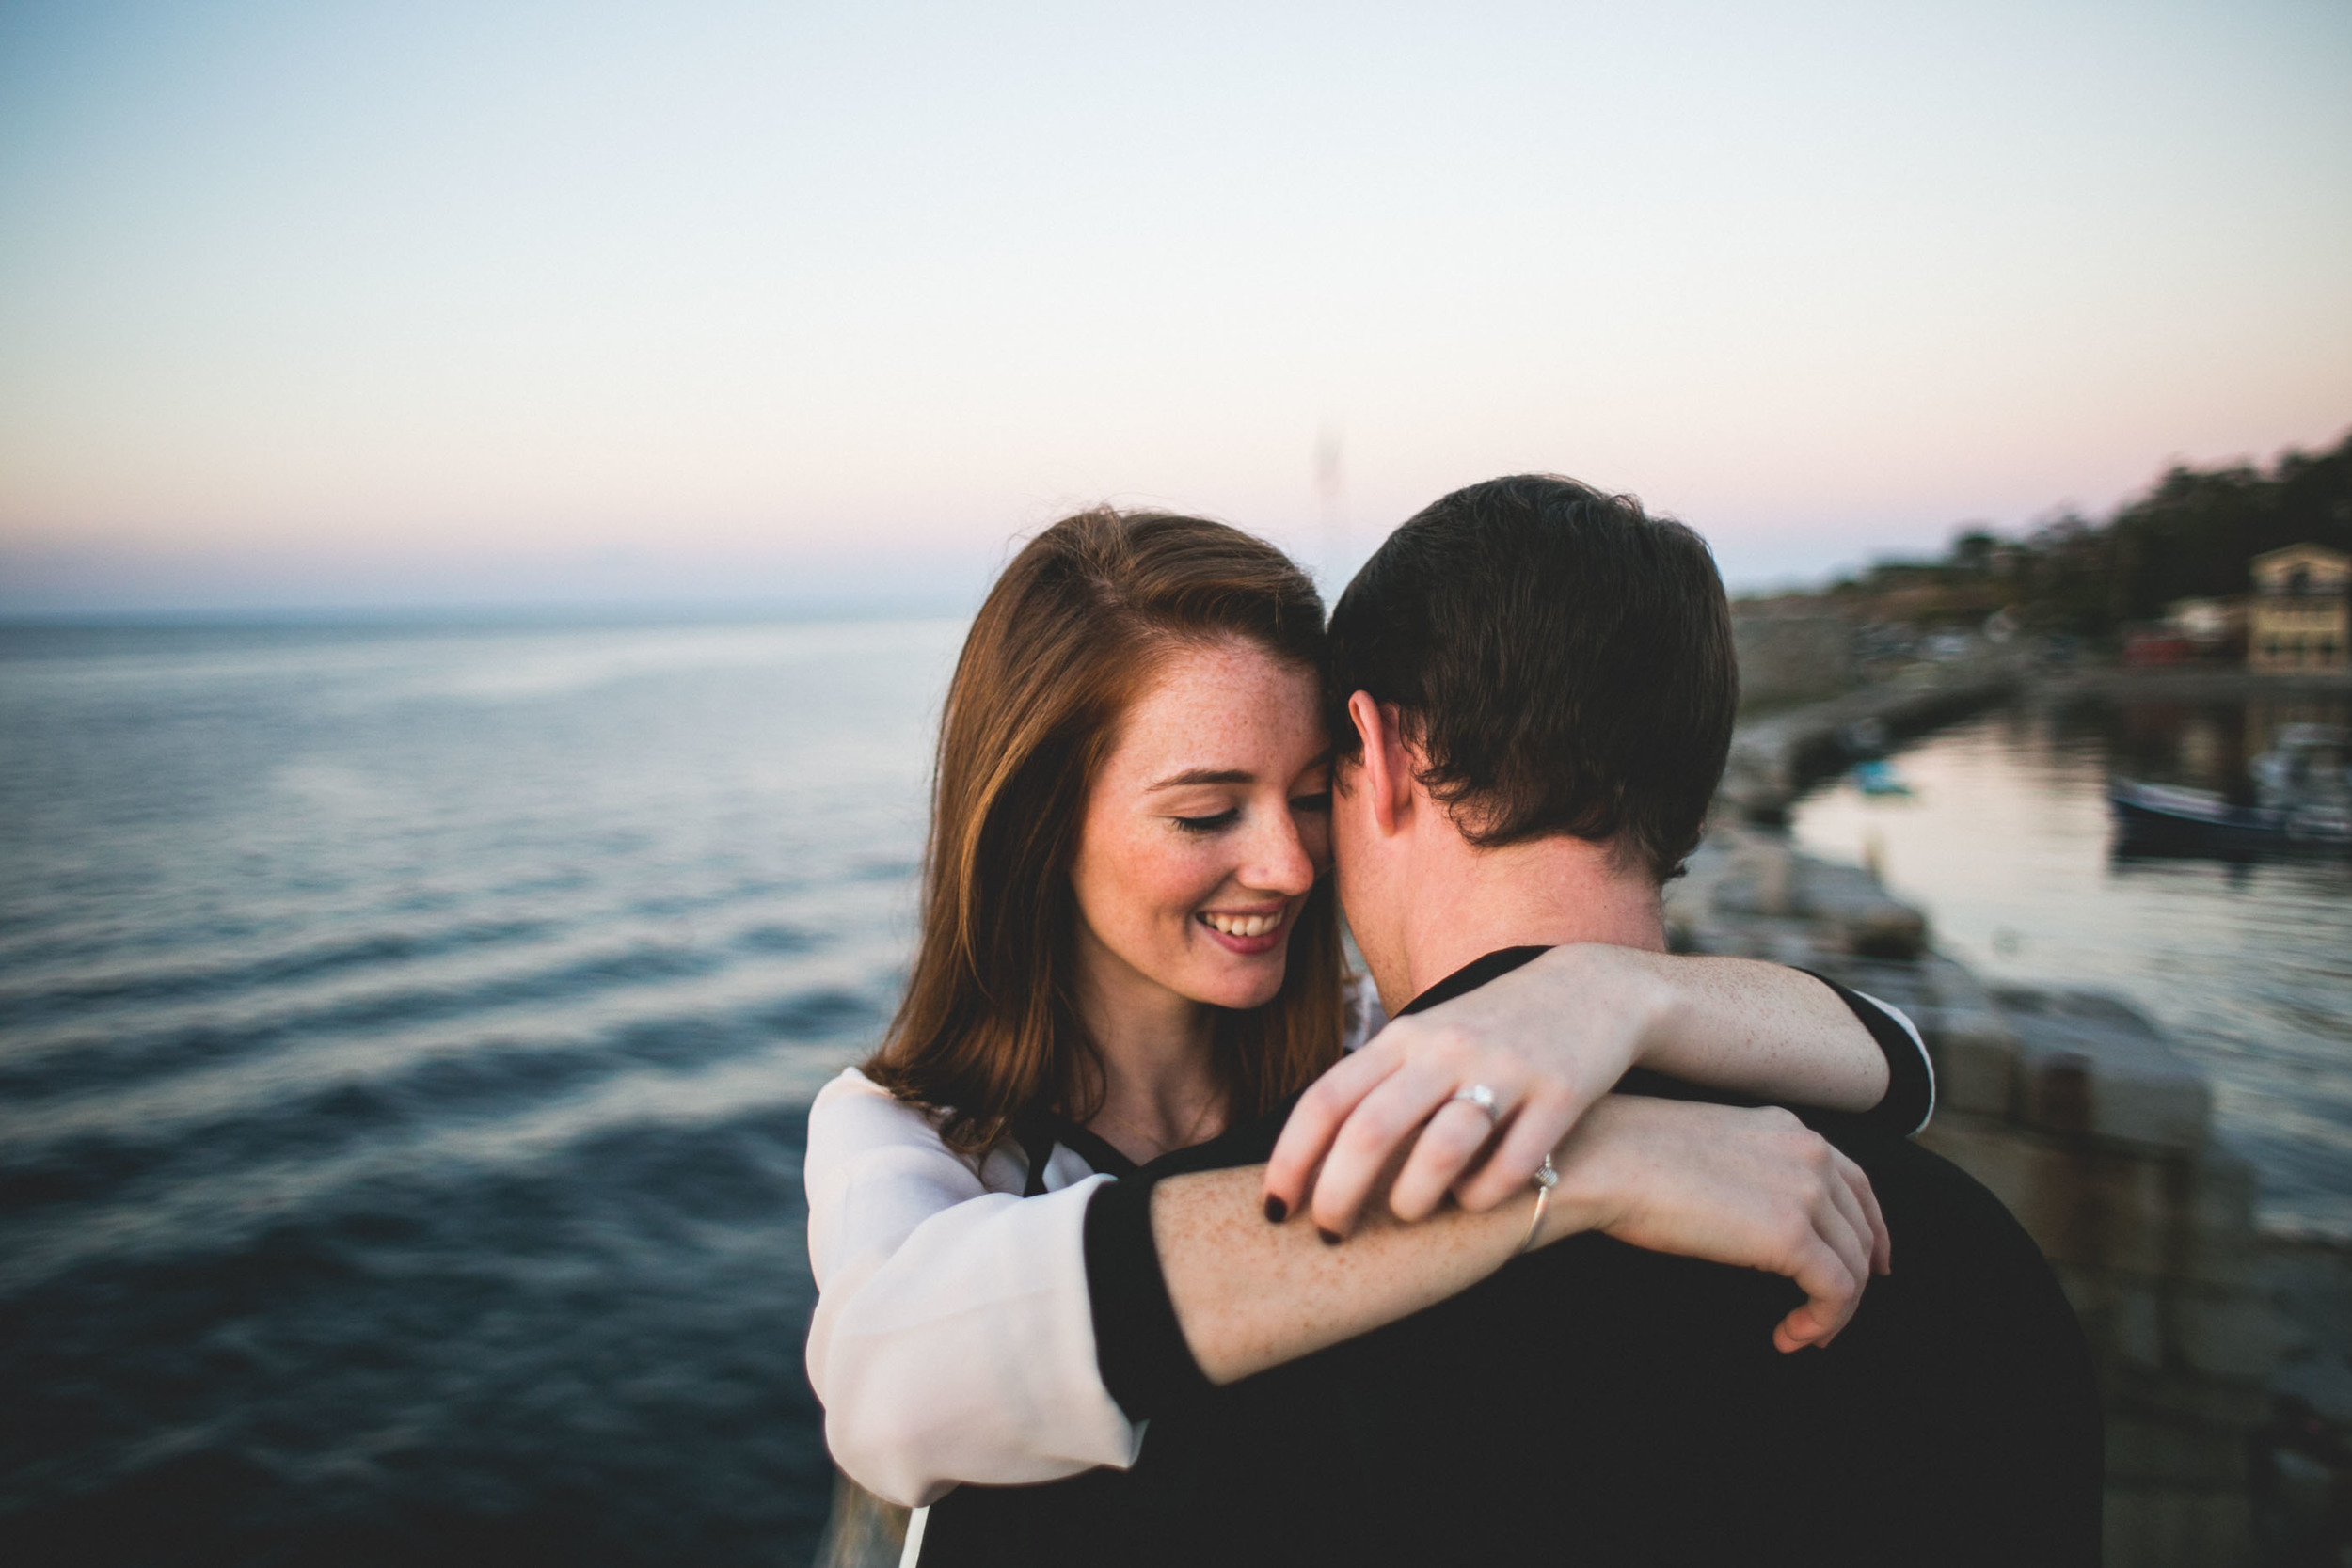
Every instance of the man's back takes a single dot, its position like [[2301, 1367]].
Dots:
[[1596, 1405]]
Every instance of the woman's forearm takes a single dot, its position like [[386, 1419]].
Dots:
[[1250, 1295], [1742, 1025], [1538, 1046], [1752, 1188]]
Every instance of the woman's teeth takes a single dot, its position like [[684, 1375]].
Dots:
[[1242, 924]]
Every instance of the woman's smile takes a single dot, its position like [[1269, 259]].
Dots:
[[1248, 933], [1205, 832]]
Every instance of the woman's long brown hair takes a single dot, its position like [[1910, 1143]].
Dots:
[[1067, 640]]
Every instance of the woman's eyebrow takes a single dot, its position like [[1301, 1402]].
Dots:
[[1207, 776]]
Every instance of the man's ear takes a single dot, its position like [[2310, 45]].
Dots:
[[1388, 771]]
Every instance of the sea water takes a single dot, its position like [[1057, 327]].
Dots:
[[405, 1036], [2008, 842]]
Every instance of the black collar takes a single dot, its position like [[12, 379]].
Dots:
[[1471, 976]]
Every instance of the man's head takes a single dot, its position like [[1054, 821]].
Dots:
[[1554, 663]]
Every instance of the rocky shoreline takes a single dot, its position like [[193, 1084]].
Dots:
[[2220, 1350]]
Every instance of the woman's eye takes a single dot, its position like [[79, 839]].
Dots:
[[1319, 800], [1209, 824]]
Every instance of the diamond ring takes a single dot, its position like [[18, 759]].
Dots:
[[1484, 1097]]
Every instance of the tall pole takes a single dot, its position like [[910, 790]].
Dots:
[[1327, 491]]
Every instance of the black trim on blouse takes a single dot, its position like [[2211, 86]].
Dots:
[[1910, 1095]]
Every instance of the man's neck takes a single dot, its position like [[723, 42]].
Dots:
[[1467, 902]]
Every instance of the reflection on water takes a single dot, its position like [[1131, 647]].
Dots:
[[404, 1037], [2008, 843]]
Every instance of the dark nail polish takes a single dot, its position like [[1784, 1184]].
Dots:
[[1276, 1209], [1331, 1238]]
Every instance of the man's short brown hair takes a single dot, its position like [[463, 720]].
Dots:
[[1561, 658]]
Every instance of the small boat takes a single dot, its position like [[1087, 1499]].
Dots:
[[2305, 766], [2302, 795], [2168, 812], [1879, 778]]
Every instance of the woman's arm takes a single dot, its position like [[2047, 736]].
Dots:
[[1549, 1039], [953, 1339], [1749, 1187], [963, 1334]]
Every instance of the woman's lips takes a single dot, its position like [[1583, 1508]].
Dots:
[[1248, 935]]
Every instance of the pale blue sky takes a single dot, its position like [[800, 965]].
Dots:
[[342, 304]]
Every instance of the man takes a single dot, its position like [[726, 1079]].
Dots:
[[1533, 699]]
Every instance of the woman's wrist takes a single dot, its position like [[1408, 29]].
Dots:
[[1580, 1200]]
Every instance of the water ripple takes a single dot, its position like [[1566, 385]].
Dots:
[[404, 1037]]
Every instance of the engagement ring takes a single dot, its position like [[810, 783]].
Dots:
[[1482, 1097]]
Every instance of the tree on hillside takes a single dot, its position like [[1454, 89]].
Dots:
[[2190, 536]]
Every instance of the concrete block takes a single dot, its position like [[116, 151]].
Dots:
[[1975, 1055], [2147, 1528], [2225, 1188], [2093, 1066], [2005, 1159], [2232, 1336], [1885, 929], [1977, 1064], [2219, 1242], [2136, 1326], [1851, 901], [2124, 1209], [2175, 1393], [1762, 881], [2134, 1215], [2082, 1206], [1902, 983], [2087, 1293], [2178, 1453], [2321, 1380]]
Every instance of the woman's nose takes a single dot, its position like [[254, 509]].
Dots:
[[1278, 862]]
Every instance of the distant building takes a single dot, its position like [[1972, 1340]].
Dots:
[[2300, 616]]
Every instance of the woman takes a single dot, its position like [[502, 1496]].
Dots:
[[1128, 945]]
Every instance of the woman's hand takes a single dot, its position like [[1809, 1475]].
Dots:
[[1753, 1188], [1548, 1039]]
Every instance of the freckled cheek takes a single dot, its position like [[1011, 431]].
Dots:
[[1161, 883]]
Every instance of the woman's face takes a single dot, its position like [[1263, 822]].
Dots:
[[1206, 830]]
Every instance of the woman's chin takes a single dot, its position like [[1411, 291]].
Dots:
[[1244, 985]]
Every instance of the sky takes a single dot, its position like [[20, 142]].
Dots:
[[334, 305]]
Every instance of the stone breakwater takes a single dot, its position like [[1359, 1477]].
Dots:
[[2074, 1110], [1775, 755]]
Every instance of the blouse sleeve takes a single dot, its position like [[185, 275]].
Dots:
[[1910, 1096], [953, 1338]]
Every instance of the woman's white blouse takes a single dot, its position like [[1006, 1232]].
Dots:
[[954, 1334], [953, 1338]]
